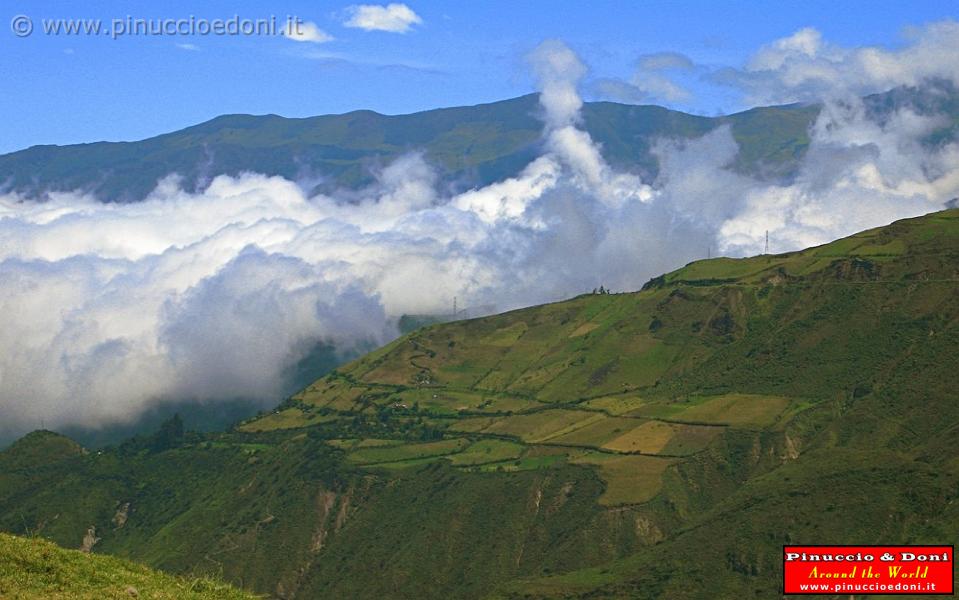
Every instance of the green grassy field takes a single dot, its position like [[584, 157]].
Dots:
[[487, 451], [371, 455], [290, 418], [615, 405]]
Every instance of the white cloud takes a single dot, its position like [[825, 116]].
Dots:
[[306, 31], [859, 173], [806, 67], [558, 71], [653, 80], [805, 44], [801, 67], [660, 87], [394, 17]]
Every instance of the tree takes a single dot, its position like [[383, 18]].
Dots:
[[170, 434]]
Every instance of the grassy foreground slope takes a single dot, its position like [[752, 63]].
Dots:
[[34, 569], [657, 444]]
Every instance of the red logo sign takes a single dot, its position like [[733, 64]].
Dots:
[[873, 570]]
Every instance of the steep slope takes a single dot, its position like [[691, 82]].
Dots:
[[37, 569], [657, 444]]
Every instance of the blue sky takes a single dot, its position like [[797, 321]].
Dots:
[[70, 89]]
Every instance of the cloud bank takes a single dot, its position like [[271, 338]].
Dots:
[[804, 67], [107, 309]]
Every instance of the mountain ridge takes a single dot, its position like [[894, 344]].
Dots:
[[471, 146]]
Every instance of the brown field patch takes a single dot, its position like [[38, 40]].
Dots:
[[629, 479], [596, 433], [649, 437], [737, 410], [583, 329], [540, 426]]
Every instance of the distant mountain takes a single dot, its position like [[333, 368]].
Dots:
[[471, 146], [658, 444]]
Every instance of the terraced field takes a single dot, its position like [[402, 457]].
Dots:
[[499, 430], [630, 441]]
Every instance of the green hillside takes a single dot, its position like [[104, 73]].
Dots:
[[34, 569], [657, 444]]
